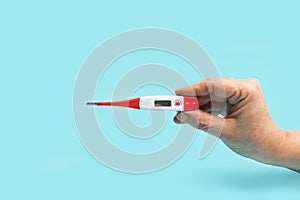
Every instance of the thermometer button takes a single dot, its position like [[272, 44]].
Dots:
[[177, 103]]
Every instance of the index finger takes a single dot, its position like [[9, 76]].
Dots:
[[218, 87], [197, 89]]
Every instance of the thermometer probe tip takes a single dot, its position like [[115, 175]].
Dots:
[[91, 103]]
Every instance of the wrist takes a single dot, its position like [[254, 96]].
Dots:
[[287, 151]]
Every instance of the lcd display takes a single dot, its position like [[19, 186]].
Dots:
[[160, 103]]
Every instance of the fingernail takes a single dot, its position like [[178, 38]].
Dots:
[[176, 120]]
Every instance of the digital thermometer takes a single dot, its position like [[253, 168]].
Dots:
[[174, 103]]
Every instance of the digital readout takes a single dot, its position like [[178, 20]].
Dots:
[[164, 103]]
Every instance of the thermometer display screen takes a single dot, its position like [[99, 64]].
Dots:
[[165, 103]]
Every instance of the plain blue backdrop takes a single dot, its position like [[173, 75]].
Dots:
[[43, 44]]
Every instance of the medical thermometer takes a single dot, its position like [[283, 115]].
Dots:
[[174, 103]]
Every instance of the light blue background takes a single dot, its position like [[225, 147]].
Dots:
[[42, 46]]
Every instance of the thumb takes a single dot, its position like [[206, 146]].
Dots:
[[207, 122]]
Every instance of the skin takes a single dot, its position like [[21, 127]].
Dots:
[[247, 127]]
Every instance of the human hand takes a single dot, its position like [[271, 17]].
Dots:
[[247, 128]]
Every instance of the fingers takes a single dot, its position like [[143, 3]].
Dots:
[[202, 88], [190, 90], [216, 108], [201, 120], [219, 89], [212, 106], [204, 100]]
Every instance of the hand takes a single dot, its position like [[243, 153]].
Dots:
[[247, 128]]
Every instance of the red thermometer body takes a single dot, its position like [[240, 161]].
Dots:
[[174, 103]]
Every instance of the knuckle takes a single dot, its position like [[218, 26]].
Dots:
[[239, 92], [254, 82], [251, 86]]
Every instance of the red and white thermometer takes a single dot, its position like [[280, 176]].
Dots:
[[174, 103]]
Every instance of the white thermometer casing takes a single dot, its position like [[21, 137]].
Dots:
[[174, 103]]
